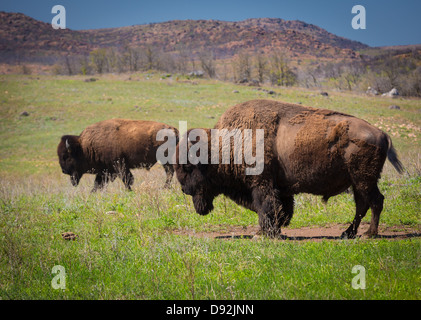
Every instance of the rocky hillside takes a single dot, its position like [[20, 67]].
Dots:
[[24, 36]]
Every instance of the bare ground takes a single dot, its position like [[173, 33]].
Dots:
[[332, 232]]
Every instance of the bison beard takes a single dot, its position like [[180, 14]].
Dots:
[[306, 150], [202, 204]]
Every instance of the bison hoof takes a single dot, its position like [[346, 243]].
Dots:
[[348, 235], [369, 234], [271, 233], [256, 237]]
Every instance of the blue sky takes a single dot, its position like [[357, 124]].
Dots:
[[389, 22]]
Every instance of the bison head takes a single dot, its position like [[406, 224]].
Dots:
[[69, 154], [194, 177]]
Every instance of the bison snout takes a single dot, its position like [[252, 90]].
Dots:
[[74, 179]]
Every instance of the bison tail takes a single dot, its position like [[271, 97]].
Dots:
[[393, 157]]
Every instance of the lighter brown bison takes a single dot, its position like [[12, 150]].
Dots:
[[306, 150], [111, 148]]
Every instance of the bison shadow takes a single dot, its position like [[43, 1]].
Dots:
[[304, 238]]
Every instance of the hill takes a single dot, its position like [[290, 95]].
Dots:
[[227, 38], [26, 37]]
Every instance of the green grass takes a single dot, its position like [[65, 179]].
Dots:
[[134, 252]]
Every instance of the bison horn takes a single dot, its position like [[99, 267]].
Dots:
[[67, 144]]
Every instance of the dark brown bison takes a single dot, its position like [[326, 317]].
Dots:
[[308, 150], [111, 148]]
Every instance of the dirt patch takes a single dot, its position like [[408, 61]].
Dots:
[[332, 232], [69, 236]]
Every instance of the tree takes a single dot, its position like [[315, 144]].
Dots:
[[352, 73], [391, 69], [261, 66], [207, 61], [112, 59], [332, 70], [99, 59], [68, 66], [85, 68], [309, 75], [131, 57], [280, 72], [242, 67], [182, 61], [150, 58]]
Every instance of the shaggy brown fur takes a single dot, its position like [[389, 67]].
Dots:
[[307, 150], [111, 148]]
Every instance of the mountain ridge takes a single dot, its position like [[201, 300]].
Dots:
[[23, 35]]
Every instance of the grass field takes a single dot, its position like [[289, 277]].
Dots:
[[142, 244]]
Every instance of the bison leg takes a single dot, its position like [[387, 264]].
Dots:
[[269, 207], [169, 170], [100, 181], [376, 204], [128, 179], [373, 200], [287, 210], [361, 210], [112, 177]]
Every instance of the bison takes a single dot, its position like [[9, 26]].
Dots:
[[111, 148], [306, 150]]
